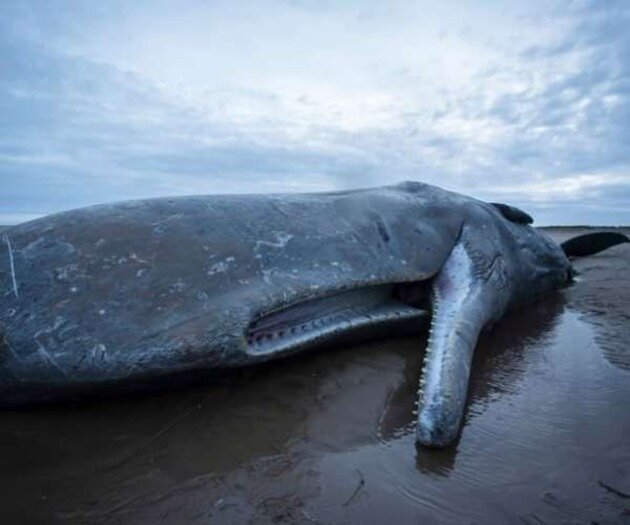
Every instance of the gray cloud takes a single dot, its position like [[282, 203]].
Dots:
[[542, 121]]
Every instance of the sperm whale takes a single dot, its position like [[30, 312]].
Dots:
[[135, 293]]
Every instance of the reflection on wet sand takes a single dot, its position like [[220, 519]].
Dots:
[[329, 437], [602, 296]]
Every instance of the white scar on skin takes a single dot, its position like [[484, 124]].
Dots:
[[42, 349], [11, 265]]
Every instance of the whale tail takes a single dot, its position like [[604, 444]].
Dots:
[[592, 243]]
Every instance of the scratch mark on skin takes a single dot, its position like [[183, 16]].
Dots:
[[11, 349], [221, 266], [99, 352], [267, 275], [135, 258], [276, 207], [48, 357], [168, 219], [15, 286], [42, 349], [281, 241]]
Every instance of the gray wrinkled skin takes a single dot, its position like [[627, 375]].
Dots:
[[136, 291]]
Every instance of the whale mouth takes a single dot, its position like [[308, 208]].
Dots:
[[377, 311]]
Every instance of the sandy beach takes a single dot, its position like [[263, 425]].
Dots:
[[329, 437]]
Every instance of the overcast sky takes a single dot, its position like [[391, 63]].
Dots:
[[521, 102]]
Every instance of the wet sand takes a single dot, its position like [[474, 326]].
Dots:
[[328, 437]]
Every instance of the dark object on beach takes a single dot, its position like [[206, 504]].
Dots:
[[138, 293], [591, 243]]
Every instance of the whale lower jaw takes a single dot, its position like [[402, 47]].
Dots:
[[344, 317], [462, 304]]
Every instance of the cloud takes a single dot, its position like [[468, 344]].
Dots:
[[573, 188], [527, 103]]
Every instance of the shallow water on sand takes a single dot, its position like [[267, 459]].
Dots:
[[328, 437]]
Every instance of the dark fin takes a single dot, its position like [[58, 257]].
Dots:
[[513, 214], [591, 243]]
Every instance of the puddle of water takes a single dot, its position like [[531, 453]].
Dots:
[[547, 423]]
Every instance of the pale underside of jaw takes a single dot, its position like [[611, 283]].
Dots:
[[459, 314]]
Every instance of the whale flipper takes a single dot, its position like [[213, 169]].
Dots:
[[462, 305]]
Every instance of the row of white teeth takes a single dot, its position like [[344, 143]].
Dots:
[[266, 337]]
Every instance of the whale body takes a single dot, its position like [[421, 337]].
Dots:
[[137, 292]]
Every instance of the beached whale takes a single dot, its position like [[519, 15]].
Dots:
[[135, 293]]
